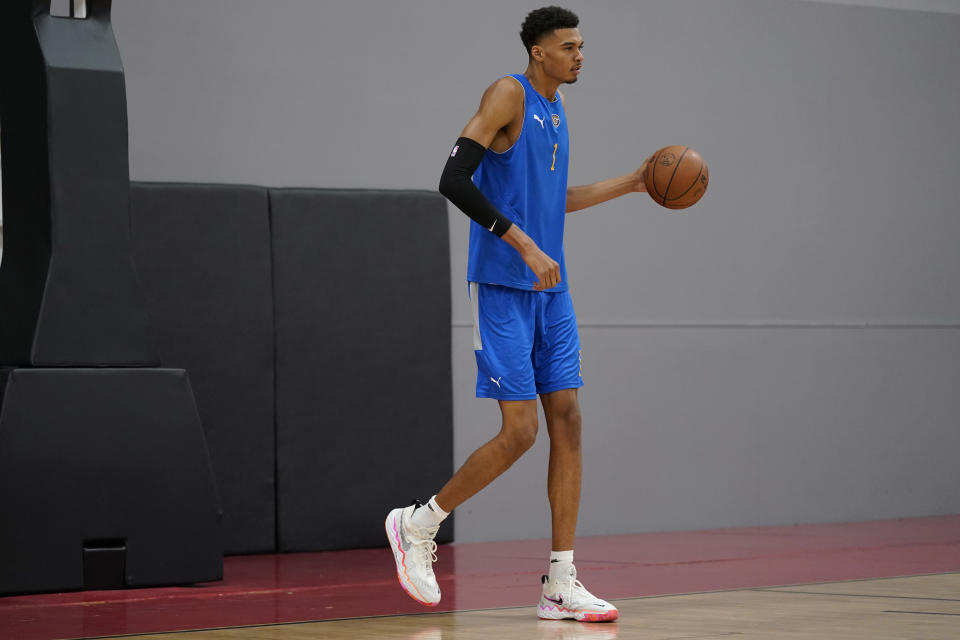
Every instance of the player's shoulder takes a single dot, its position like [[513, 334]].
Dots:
[[505, 88], [503, 100]]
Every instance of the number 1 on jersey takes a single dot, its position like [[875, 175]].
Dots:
[[554, 156]]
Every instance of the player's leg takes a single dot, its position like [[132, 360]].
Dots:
[[517, 434], [557, 369], [503, 340], [563, 595], [504, 326], [562, 410], [558, 373], [411, 530]]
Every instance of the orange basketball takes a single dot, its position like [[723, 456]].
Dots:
[[676, 177]]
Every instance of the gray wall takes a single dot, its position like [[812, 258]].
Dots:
[[786, 351], [946, 6]]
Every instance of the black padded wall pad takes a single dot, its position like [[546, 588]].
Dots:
[[96, 454], [364, 404], [203, 254]]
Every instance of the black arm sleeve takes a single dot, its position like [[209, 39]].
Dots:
[[456, 184]]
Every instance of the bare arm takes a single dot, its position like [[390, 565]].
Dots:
[[588, 195]]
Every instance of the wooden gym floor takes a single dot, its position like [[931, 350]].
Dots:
[[878, 580], [925, 607]]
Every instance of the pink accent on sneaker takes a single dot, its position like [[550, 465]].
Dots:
[[584, 615]]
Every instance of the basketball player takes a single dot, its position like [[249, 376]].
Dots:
[[508, 173]]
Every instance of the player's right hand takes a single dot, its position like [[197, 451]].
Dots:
[[545, 268]]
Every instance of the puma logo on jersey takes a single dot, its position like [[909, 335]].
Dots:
[[497, 381], [538, 119]]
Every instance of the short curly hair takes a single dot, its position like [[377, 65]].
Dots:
[[541, 22]]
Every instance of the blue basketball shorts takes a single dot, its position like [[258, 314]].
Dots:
[[526, 342]]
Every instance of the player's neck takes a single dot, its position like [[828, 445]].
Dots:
[[541, 82]]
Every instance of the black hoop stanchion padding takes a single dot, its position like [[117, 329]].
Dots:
[[105, 467], [26, 182], [104, 454], [71, 280]]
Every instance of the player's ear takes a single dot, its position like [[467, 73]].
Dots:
[[536, 52]]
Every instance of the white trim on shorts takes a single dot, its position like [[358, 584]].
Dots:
[[475, 303]]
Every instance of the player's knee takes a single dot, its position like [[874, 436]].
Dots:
[[526, 438], [518, 438], [568, 416], [565, 425], [518, 445]]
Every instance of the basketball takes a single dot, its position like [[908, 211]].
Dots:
[[676, 177]]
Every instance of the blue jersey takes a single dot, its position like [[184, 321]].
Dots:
[[528, 184]]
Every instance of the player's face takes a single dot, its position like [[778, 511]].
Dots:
[[562, 54]]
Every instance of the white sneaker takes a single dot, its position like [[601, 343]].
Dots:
[[414, 552], [566, 597]]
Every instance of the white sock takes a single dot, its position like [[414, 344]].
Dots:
[[560, 563], [429, 515]]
